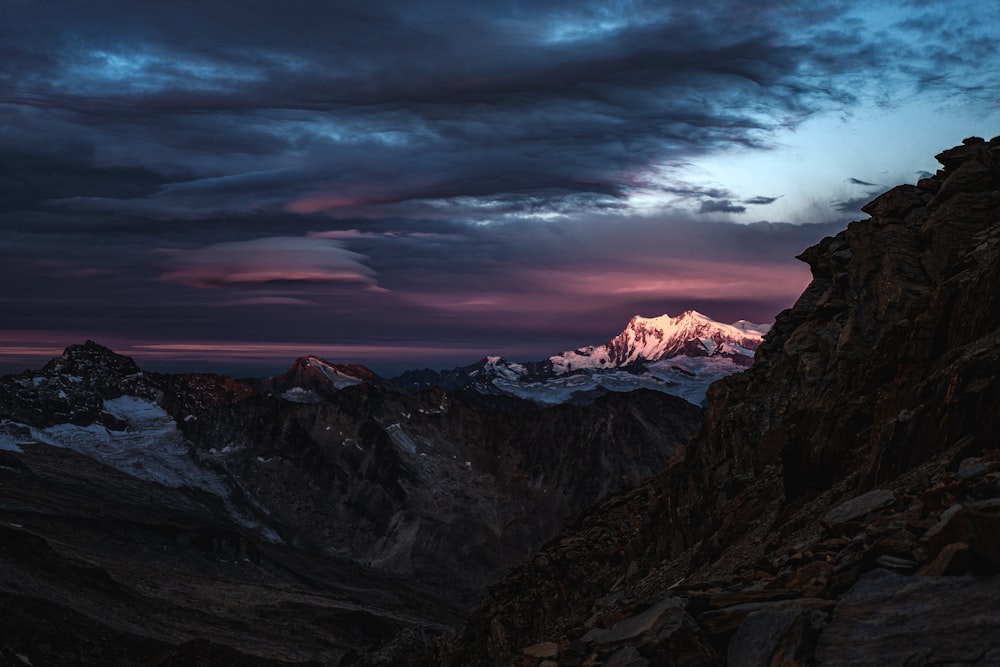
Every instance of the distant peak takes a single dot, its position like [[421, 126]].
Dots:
[[311, 363], [90, 350], [665, 321], [694, 314], [309, 360], [88, 347], [649, 339], [82, 358]]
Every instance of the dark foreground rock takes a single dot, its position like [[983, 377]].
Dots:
[[883, 620], [98, 567], [839, 505]]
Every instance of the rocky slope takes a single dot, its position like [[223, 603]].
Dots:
[[842, 501], [166, 519], [311, 380]]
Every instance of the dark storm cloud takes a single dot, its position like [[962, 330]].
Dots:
[[858, 181], [336, 103], [720, 206], [31, 175], [852, 205], [760, 201]]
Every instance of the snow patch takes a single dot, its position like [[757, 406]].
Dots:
[[301, 395], [7, 441], [751, 328], [498, 367], [401, 438], [337, 378], [683, 376], [150, 448]]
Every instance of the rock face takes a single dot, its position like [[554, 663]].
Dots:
[[863, 439], [882, 621], [311, 380], [247, 528], [431, 486]]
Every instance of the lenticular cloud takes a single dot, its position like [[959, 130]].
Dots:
[[271, 259]]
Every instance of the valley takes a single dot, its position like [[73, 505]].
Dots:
[[212, 508]]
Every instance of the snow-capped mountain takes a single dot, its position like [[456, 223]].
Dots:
[[676, 355], [649, 339]]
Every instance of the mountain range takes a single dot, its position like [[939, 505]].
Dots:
[[676, 355], [223, 512]]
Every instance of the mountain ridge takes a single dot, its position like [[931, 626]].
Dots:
[[650, 339], [226, 514], [679, 355], [848, 479]]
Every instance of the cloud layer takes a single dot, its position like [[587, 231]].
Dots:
[[269, 260], [480, 173]]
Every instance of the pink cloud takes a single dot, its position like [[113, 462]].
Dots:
[[358, 234], [20, 349], [696, 279], [278, 258], [316, 204], [282, 353], [569, 291], [271, 301]]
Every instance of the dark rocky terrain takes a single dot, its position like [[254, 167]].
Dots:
[[841, 504], [170, 519]]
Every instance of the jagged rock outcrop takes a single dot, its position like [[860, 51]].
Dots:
[[71, 388], [862, 440], [311, 379]]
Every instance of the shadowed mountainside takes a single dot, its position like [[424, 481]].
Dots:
[[165, 519], [831, 487]]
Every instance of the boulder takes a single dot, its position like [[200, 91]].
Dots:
[[772, 637], [859, 506], [892, 619]]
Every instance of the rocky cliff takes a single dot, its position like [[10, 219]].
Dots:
[[832, 486]]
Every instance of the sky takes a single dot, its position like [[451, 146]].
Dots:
[[226, 186]]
